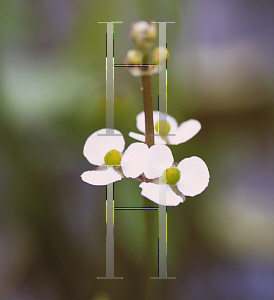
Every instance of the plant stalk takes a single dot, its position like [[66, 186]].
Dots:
[[148, 109], [149, 140]]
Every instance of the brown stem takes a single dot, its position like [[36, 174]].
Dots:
[[149, 139], [148, 109]]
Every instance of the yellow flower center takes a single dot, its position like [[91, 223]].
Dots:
[[162, 127], [172, 176], [113, 158]]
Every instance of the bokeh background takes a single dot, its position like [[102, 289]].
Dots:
[[52, 97]]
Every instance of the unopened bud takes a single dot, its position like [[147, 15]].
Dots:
[[133, 57], [144, 35], [159, 55]]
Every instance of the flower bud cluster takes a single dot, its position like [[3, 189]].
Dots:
[[143, 36]]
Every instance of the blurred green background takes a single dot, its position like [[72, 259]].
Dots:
[[52, 97]]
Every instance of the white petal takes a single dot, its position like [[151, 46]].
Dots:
[[137, 136], [185, 132], [135, 159], [159, 159], [194, 176], [101, 177], [140, 122], [98, 145], [152, 192]]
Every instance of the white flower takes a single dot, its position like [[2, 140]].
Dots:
[[176, 135], [106, 151], [189, 178]]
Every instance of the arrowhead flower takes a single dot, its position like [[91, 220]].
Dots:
[[167, 125], [105, 151], [189, 178]]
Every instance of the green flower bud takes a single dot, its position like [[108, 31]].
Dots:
[[159, 55], [144, 35], [133, 57]]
